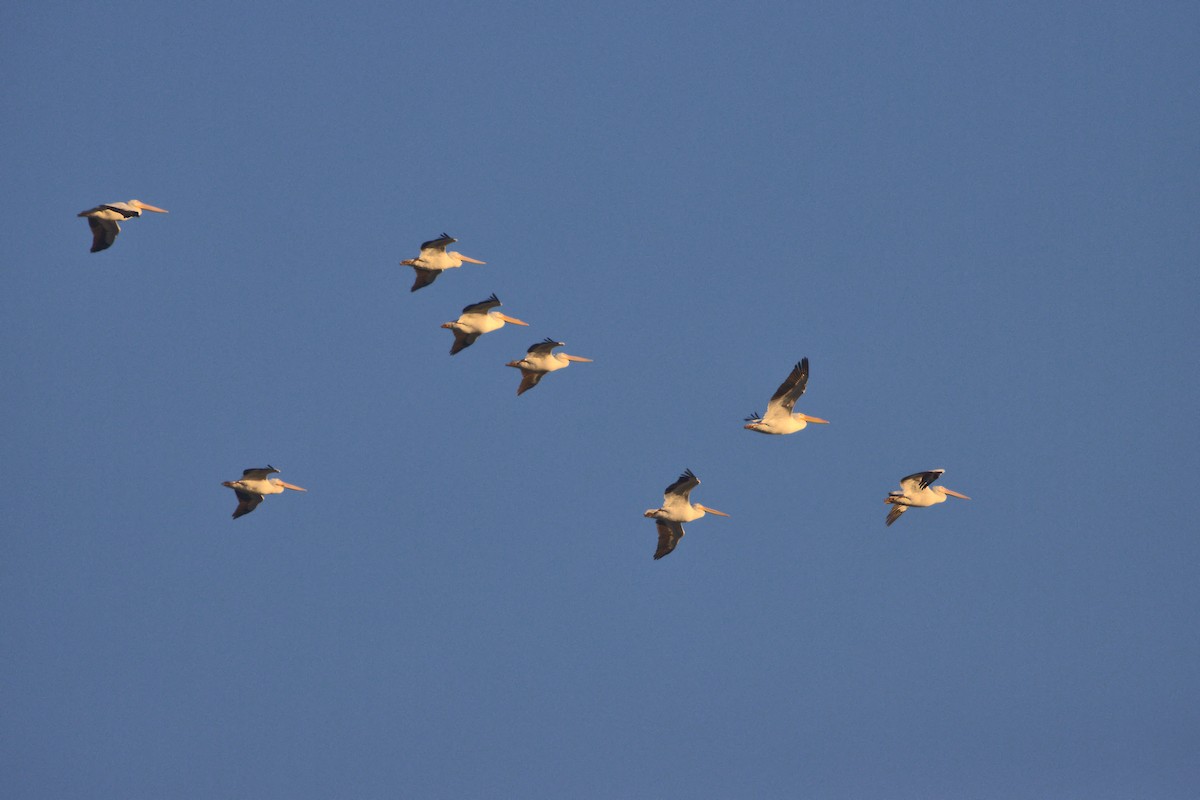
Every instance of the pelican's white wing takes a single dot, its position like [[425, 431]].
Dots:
[[677, 493], [258, 473], [424, 278], [437, 245], [483, 306], [911, 484], [529, 379], [543, 347], [790, 390], [104, 233], [247, 502], [669, 534], [462, 340]]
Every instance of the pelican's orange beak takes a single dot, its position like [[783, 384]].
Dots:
[[148, 207], [575, 358], [513, 320], [708, 510], [953, 493], [290, 486], [817, 420], [470, 260]]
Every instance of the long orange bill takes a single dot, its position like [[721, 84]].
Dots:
[[471, 260], [817, 420], [513, 320], [148, 207], [575, 358], [711, 510], [953, 493], [290, 486]]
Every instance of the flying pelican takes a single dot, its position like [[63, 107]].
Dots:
[[434, 259], [103, 220], [779, 417], [916, 491], [538, 361], [477, 320], [253, 485], [675, 511]]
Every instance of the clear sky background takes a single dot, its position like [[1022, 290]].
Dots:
[[978, 221]]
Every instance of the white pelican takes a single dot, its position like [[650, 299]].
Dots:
[[434, 259], [538, 361], [779, 417], [477, 320], [916, 491], [253, 485], [675, 511], [103, 220]]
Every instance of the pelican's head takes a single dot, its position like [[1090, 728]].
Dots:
[[651, 512], [454, 326], [950, 492], [409, 262], [517, 364], [468, 259], [146, 206]]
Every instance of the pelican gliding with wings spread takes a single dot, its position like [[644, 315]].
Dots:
[[434, 259], [676, 510], [476, 320], [916, 492], [253, 485], [103, 220], [538, 361], [779, 418]]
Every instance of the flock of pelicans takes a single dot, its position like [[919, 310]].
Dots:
[[916, 490]]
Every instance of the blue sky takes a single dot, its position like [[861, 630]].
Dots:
[[977, 222]]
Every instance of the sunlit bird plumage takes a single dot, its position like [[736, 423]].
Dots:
[[253, 485], [916, 491], [476, 320], [676, 510], [539, 360], [103, 220], [779, 418], [435, 259]]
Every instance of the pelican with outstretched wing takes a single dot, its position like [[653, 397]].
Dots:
[[916, 491], [779, 418], [476, 320], [676, 510], [253, 485], [103, 220], [434, 259], [538, 361]]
